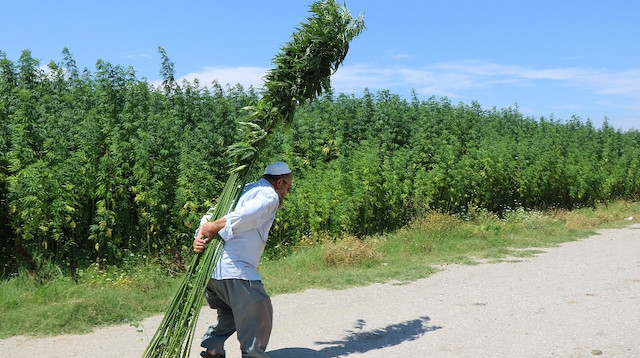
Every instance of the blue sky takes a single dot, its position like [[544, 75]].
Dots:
[[550, 58]]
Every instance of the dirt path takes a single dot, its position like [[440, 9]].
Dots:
[[581, 299]]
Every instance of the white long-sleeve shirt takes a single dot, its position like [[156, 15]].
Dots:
[[246, 232]]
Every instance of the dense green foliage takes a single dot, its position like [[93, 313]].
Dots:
[[368, 165], [96, 165]]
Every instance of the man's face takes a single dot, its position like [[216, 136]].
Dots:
[[282, 187]]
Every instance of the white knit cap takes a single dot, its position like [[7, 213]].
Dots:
[[277, 168]]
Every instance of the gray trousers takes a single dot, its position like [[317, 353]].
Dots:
[[243, 306]]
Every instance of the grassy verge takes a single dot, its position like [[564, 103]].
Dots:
[[100, 297], [114, 296], [437, 239]]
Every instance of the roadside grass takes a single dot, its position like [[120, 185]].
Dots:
[[101, 297], [434, 240], [110, 295]]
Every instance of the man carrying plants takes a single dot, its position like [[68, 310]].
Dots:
[[235, 288]]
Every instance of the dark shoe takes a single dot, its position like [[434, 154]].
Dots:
[[206, 354]]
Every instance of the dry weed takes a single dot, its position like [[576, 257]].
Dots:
[[350, 251]]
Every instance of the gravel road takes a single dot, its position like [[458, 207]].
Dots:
[[579, 299]]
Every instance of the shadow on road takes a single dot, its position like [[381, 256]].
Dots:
[[359, 341]]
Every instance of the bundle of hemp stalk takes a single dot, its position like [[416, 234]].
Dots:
[[302, 72]]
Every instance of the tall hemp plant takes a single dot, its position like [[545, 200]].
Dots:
[[302, 72]]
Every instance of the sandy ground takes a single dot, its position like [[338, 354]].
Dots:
[[580, 299]]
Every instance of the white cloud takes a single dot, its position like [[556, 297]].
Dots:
[[458, 76], [604, 92], [140, 56], [399, 56], [623, 83], [244, 75], [591, 93], [396, 56], [454, 79]]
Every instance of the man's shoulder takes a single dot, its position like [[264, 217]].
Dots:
[[261, 188], [259, 185]]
